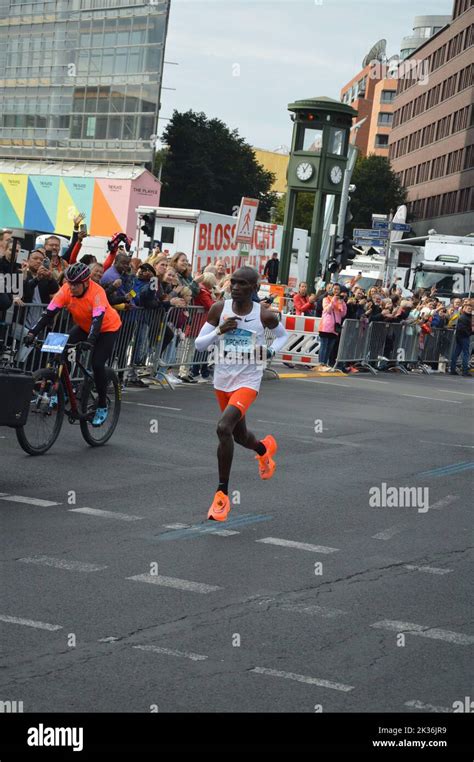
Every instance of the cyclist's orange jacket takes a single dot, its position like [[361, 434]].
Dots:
[[85, 308]]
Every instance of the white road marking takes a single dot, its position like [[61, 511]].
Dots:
[[179, 584], [107, 514], [303, 679], [447, 444], [28, 500], [297, 545], [29, 623], [428, 569], [171, 652], [62, 563], [451, 391], [444, 502], [428, 707], [388, 533], [160, 407], [222, 532], [110, 639], [323, 611], [434, 633], [436, 399]]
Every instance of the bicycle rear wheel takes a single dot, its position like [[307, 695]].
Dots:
[[45, 414], [96, 436]]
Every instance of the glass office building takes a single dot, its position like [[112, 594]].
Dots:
[[80, 80]]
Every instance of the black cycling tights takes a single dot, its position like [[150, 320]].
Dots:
[[100, 355]]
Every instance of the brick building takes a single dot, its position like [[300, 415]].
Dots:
[[432, 136]]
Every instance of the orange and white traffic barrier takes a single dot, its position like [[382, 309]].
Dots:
[[303, 341]]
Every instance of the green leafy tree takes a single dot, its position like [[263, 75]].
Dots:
[[378, 190], [205, 165], [303, 213]]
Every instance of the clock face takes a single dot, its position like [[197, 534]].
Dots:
[[304, 171], [335, 174]]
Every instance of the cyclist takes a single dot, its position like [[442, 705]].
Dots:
[[96, 325]]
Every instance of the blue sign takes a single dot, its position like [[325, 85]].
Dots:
[[401, 226], [380, 224], [369, 233], [55, 342], [377, 242]]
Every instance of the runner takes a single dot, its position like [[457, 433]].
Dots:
[[237, 326]]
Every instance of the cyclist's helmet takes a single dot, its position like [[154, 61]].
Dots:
[[79, 272]]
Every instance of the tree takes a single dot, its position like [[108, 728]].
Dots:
[[207, 166], [378, 190], [303, 213]]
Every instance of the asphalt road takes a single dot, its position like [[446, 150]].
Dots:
[[310, 598]]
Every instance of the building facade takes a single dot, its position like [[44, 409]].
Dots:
[[424, 27], [277, 163], [80, 80], [432, 137]]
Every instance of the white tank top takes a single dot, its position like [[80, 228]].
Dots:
[[233, 369]]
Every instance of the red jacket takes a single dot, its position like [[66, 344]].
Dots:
[[203, 299], [302, 305]]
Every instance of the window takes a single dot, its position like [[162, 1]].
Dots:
[[388, 96], [336, 141], [167, 235], [385, 118], [381, 141], [312, 140]]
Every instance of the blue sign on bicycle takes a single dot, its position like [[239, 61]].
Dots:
[[55, 342]]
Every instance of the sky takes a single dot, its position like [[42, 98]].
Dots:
[[243, 61]]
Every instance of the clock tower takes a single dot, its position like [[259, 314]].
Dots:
[[317, 162]]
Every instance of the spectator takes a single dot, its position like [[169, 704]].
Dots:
[[97, 271], [135, 263], [38, 287], [334, 311], [120, 270], [304, 304], [205, 299], [10, 271], [183, 269], [52, 247], [270, 271], [5, 237], [462, 340], [221, 272]]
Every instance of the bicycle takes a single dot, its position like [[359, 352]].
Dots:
[[53, 391]]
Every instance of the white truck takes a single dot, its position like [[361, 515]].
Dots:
[[446, 262], [207, 236]]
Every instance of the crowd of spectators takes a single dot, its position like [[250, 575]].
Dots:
[[155, 284], [335, 303], [161, 283]]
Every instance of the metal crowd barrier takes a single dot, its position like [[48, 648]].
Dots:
[[382, 345], [156, 340], [354, 343]]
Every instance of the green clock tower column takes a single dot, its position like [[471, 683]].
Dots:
[[317, 162]]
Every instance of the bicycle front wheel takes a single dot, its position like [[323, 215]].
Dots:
[[45, 414], [96, 436]]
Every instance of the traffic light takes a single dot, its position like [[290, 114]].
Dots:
[[148, 226], [348, 253], [335, 261]]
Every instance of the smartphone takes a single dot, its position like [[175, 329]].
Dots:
[[83, 228]]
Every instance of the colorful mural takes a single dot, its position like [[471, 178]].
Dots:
[[48, 203]]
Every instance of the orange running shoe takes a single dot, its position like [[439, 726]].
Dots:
[[266, 465], [220, 507]]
